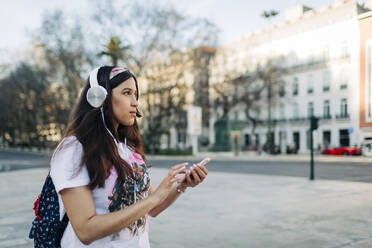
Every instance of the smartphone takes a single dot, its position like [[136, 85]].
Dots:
[[203, 162]]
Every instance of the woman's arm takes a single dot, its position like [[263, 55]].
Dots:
[[172, 197], [89, 226], [199, 173]]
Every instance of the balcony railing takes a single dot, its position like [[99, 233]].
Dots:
[[326, 117], [298, 119], [343, 116], [315, 61]]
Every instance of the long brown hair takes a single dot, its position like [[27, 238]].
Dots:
[[100, 152]]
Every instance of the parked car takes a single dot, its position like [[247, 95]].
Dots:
[[346, 150]]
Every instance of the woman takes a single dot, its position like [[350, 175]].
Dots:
[[99, 168]]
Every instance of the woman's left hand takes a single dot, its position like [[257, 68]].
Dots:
[[198, 172]]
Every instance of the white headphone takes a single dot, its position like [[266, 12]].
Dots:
[[96, 94]]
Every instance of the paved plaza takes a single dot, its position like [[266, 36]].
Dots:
[[228, 210]]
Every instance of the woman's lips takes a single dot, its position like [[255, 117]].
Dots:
[[133, 114]]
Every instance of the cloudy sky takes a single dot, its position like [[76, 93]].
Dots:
[[234, 17]]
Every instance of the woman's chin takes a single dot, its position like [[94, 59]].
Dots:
[[128, 123]]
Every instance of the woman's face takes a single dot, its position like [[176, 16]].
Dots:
[[124, 103]]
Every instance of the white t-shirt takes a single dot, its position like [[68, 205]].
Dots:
[[65, 172]]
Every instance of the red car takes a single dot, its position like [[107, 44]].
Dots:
[[346, 150]]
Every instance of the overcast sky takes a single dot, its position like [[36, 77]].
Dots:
[[233, 17]]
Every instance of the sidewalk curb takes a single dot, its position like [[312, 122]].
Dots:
[[229, 156], [266, 157]]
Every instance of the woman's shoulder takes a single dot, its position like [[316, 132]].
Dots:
[[69, 139], [69, 146], [65, 165]]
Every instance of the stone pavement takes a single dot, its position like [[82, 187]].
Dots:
[[227, 210]]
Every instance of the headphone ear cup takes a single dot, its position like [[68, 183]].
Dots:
[[96, 96]]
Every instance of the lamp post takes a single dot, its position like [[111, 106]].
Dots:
[[313, 126], [268, 15]]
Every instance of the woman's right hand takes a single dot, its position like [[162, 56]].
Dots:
[[166, 186]]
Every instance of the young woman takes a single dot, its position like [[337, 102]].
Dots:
[[99, 168]]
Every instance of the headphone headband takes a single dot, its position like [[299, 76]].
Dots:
[[93, 81], [96, 94]]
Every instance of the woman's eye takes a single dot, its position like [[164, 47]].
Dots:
[[127, 93]]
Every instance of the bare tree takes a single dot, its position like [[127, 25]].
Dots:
[[148, 34], [26, 106], [62, 50], [165, 100], [250, 91], [162, 41]]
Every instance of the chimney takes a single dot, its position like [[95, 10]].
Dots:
[[295, 12]]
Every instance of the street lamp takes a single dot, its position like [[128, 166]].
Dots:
[[313, 126], [268, 15]]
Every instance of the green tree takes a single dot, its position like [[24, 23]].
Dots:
[[115, 51]]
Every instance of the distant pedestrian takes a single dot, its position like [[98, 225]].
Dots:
[[99, 168]]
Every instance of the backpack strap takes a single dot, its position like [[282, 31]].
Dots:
[[61, 230]]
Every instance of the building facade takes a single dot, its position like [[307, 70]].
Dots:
[[365, 117], [320, 50], [168, 87]]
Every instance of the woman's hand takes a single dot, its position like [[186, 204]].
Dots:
[[198, 172], [166, 186]]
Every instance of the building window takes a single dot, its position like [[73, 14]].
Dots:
[[310, 84], [282, 90], [282, 112], [326, 81], [326, 110], [368, 96], [310, 109], [295, 86], [326, 138], [343, 79], [296, 140], [247, 140], [344, 137], [295, 111], [343, 106]]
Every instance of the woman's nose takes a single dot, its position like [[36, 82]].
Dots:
[[134, 101]]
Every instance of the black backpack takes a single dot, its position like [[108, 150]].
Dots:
[[47, 230]]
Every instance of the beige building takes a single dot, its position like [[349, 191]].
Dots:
[[168, 87]]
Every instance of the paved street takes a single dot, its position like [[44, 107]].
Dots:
[[18, 160], [228, 210], [246, 203], [357, 170]]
